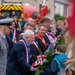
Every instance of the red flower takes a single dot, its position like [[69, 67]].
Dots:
[[59, 36]]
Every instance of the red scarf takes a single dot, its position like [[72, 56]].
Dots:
[[41, 38]]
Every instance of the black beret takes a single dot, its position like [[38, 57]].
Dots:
[[6, 21]]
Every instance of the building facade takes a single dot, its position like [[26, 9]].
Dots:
[[61, 7], [1, 1]]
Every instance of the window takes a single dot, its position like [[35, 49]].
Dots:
[[34, 15], [18, 13], [7, 13]]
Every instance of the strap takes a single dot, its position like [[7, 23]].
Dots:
[[14, 35], [36, 45], [47, 36], [59, 65], [27, 56]]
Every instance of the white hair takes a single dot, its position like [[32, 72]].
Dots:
[[28, 33]]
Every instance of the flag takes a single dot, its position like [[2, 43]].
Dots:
[[43, 11], [46, 10], [72, 19], [39, 61]]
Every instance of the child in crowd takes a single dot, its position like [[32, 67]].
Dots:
[[56, 67]]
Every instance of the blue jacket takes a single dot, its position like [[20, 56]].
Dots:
[[56, 66], [16, 60]]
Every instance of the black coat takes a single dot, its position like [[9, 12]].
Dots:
[[34, 52], [11, 35], [40, 45]]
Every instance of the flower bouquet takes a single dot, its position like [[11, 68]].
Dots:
[[45, 64], [60, 39]]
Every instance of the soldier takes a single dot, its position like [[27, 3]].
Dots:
[[4, 30]]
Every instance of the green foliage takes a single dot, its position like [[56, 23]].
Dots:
[[58, 17], [60, 40], [46, 64], [49, 55], [38, 72]]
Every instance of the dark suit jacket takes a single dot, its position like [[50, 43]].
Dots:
[[40, 45], [3, 54], [47, 39], [16, 60], [34, 52], [10, 43], [17, 34]]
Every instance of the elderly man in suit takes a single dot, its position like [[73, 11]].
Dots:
[[19, 58], [4, 30]]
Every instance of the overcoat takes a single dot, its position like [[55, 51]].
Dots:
[[17, 60], [3, 54]]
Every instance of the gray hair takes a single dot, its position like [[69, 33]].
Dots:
[[51, 28], [28, 33], [59, 21], [28, 24]]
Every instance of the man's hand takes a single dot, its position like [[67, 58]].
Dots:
[[38, 57]]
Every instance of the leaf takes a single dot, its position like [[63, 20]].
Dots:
[[58, 17], [46, 64], [38, 72], [61, 40]]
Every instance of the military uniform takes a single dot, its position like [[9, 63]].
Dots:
[[3, 48], [3, 54]]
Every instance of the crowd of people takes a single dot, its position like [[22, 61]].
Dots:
[[22, 43]]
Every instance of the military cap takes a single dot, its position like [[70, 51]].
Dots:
[[6, 21]]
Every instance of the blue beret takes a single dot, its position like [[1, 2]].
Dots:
[[6, 21]]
